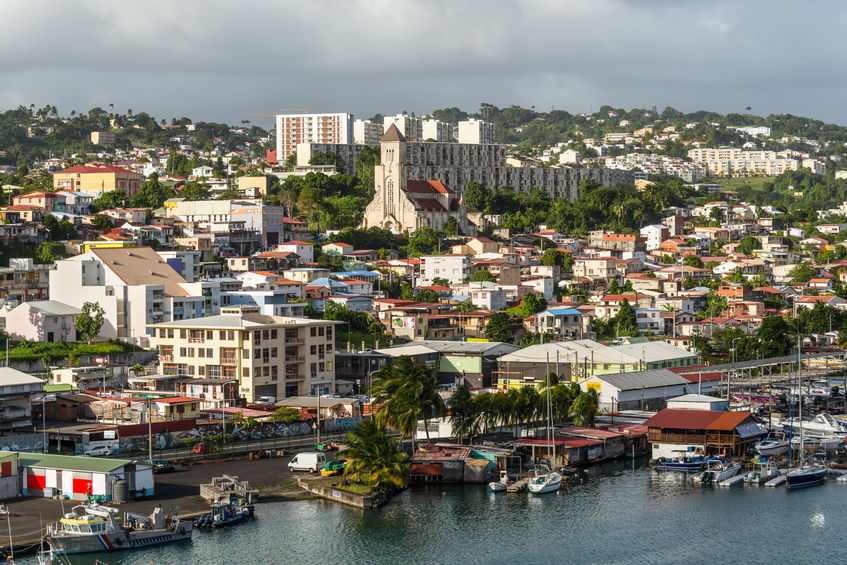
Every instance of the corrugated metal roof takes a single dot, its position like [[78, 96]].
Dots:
[[72, 462], [655, 378], [653, 351], [682, 419], [567, 350], [728, 421], [477, 462]]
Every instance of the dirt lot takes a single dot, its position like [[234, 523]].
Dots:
[[182, 487]]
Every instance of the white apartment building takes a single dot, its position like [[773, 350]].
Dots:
[[487, 296], [135, 287], [437, 130], [476, 131], [730, 160], [241, 224], [365, 132], [272, 357], [651, 164], [410, 126], [655, 234], [292, 129], [454, 268]]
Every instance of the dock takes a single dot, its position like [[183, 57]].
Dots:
[[518, 485], [732, 481], [776, 481]]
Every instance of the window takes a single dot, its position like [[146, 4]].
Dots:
[[273, 351], [162, 332], [245, 353], [209, 352], [313, 350], [201, 352], [182, 352], [273, 334], [210, 334], [321, 366], [320, 352], [222, 334], [321, 331], [170, 334], [314, 370], [181, 334], [329, 334], [313, 332], [257, 353], [265, 334], [245, 372], [230, 335]]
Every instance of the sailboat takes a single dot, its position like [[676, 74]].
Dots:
[[805, 474], [551, 481]]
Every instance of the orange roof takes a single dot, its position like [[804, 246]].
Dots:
[[427, 187], [96, 168], [728, 421]]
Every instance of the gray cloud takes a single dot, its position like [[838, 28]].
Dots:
[[221, 60]]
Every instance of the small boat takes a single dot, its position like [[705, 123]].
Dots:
[[716, 471], [90, 527], [683, 463], [805, 476], [544, 483], [502, 484], [773, 444], [568, 471], [827, 443], [764, 469], [223, 514]]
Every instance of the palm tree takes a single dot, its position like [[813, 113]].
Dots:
[[463, 414], [137, 369], [429, 401], [372, 455], [585, 407]]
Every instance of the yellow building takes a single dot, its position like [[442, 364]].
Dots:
[[89, 245], [97, 178], [253, 186]]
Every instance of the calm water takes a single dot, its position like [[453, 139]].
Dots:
[[613, 515]]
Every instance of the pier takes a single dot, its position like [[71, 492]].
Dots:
[[518, 485]]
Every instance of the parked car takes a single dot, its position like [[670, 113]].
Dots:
[[201, 448], [4, 512], [307, 461], [160, 466], [98, 451]]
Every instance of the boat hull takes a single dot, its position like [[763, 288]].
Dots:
[[497, 486], [806, 479], [547, 484], [117, 542], [772, 449]]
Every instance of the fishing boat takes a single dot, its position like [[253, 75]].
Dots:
[[773, 444], [822, 425], [684, 463], [551, 481], [545, 482], [502, 484], [716, 471], [764, 469], [223, 514], [91, 527]]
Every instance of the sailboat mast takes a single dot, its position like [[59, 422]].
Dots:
[[800, 383]]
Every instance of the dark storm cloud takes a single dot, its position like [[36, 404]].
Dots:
[[220, 61]]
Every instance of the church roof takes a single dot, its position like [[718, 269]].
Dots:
[[427, 187], [429, 204], [393, 134]]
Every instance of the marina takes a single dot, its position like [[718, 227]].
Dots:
[[656, 517]]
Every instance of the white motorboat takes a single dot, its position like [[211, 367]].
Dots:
[[773, 444], [502, 484], [822, 425], [763, 470], [717, 471], [825, 443], [543, 483]]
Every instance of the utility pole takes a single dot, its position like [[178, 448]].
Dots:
[[149, 433], [319, 415]]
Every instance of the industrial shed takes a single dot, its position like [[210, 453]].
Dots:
[[638, 390], [78, 477]]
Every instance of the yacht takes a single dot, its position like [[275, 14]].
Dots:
[[773, 444], [716, 471], [91, 527], [806, 475], [822, 425], [543, 483]]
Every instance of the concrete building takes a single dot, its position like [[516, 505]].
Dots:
[[476, 131], [410, 127], [16, 390], [272, 357], [41, 320], [292, 129], [640, 390], [454, 268], [97, 178], [437, 131], [366, 132], [241, 224], [135, 287], [102, 138]]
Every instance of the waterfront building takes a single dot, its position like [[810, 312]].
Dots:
[[672, 431], [639, 390], [292, 129], [273, 357]]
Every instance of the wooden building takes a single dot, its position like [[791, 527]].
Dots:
[[672, 431]]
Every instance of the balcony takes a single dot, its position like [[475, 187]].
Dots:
[[196, 340], [229, 361], [166, 358], [294, 358], [294, 376], [295, 340]]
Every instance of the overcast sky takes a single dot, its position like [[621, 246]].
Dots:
[[218, 61]]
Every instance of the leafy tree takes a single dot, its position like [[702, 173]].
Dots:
[[693, 261], [554, 257], [464, 416], [89, 322], [328, 158], [109, 200], [772, 335], [482, 275], [476, 197], [151, 193], [286, 415], [748, 244], [439, 281], [499, 327], [371, 455], [49, 251], [802, 272], [424, 241], [195, 191], [427, 295], [451, 226], [365, 162], [218, 170], [406, 292], [101, 222], [466, 306]]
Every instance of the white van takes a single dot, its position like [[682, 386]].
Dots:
[[308, 461]]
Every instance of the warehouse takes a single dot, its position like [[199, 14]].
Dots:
[[8, 475], [78, 477], [640, 390]]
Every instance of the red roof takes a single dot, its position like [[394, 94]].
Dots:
[[96, 168], [588, 432], [175, 399], [296, 242], [288, 220], [683, 419], [728, 421], [38, 194], [427, 187]]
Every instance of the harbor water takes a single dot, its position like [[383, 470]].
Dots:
[[613, 514]]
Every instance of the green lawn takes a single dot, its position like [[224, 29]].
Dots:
[[335, 482], [757, 183]]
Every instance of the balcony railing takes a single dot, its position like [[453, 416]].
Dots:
[[297, 340], [229, 361], [294, 358], [294, 376], [166, 357], [196, 340]]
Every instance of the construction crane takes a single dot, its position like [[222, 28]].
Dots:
[[283, 111]]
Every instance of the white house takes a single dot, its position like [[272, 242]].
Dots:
[[454, 268], [41, 320], [304, 249]]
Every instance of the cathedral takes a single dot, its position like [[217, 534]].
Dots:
[[401, 204]]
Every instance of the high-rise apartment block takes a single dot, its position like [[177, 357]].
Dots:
[[437, 131], [366, 132], [292, 129], [410, 126], [476, 131]]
